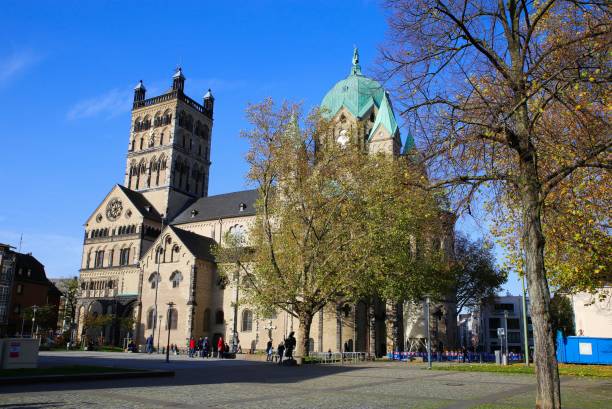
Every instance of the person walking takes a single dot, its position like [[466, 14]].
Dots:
[[149, 344], [220, 347], [280, 350]]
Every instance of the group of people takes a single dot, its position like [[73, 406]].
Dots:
[[284, 351], [202, 348]]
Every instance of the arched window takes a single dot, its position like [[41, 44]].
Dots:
[[247, 321], [219, 318], [172, 318], [176, 278], [174, 255], [150, 318], [206, 321], [158, 255], [154, 280]]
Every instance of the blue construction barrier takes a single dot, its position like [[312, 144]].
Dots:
[[584, 350], [452, 356]]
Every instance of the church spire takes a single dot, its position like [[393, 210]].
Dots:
[[356, 69]]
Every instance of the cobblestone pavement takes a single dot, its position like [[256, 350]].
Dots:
[[242, 384]]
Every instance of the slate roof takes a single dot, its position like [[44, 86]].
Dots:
[[141, 203], [218, 207], [199, 246]]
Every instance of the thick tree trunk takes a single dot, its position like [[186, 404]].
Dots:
[[372, 328], [302, 348], [547, 373], [397, 324]]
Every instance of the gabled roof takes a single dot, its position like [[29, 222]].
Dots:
[[141, 203], [219, 207], [25, 262], [199, 246], [385, 117]]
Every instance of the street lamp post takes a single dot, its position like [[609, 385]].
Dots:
[[159, 331], [428, 334], [158, 253], [506, 334], [169, 323], [34, 308], [525, 328], [235, 326]]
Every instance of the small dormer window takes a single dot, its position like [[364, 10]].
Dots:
[[148, 208], [194, 213], [242, 207]]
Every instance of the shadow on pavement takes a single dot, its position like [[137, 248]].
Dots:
[[188, 372]]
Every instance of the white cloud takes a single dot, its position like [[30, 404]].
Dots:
[[15, 63], [60, 254], [111, 103]]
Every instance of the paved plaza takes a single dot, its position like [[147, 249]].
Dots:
[[244, 384]]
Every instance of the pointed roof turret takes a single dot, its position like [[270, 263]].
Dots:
[[385, 117], [140, 86], [178, 80], [408, 145], [209, 95], [356, 68], [178, 73]]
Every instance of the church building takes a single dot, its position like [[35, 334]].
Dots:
[[149, 243]]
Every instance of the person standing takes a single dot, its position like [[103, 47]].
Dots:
[[269, 350], [206, 347], [280, 350], [192, 347], [200, 347], [290, 343], [220, 347]]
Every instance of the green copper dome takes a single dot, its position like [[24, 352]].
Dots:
[[357, 93]]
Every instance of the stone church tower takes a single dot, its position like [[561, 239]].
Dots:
[[167, 168], [168, 156]]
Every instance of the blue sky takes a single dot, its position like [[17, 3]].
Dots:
[[67, 70]]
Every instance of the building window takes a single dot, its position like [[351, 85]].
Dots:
[[150, 318], [98, 260], [17, 309], [219, 318], [176, 279], [206, 320], [504, 307], [29, 272], [172, 318], [247, 321], [19, 289], [154, 280], [124, 257]]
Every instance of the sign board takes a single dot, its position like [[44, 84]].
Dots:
[[14, 349], [500, 332], [585, 348]]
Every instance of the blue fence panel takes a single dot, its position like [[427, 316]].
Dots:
[[584, 350]]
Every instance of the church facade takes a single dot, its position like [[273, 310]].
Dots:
[[149, 243]]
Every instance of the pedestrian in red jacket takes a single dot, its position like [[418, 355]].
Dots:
[[220, 347], [192, 345]]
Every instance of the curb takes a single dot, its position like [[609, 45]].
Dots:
[[25, 380]]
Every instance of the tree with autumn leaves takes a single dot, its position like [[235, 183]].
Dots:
[[511, 101], [331, 221]]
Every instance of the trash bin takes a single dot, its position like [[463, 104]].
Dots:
[[19, 353]]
